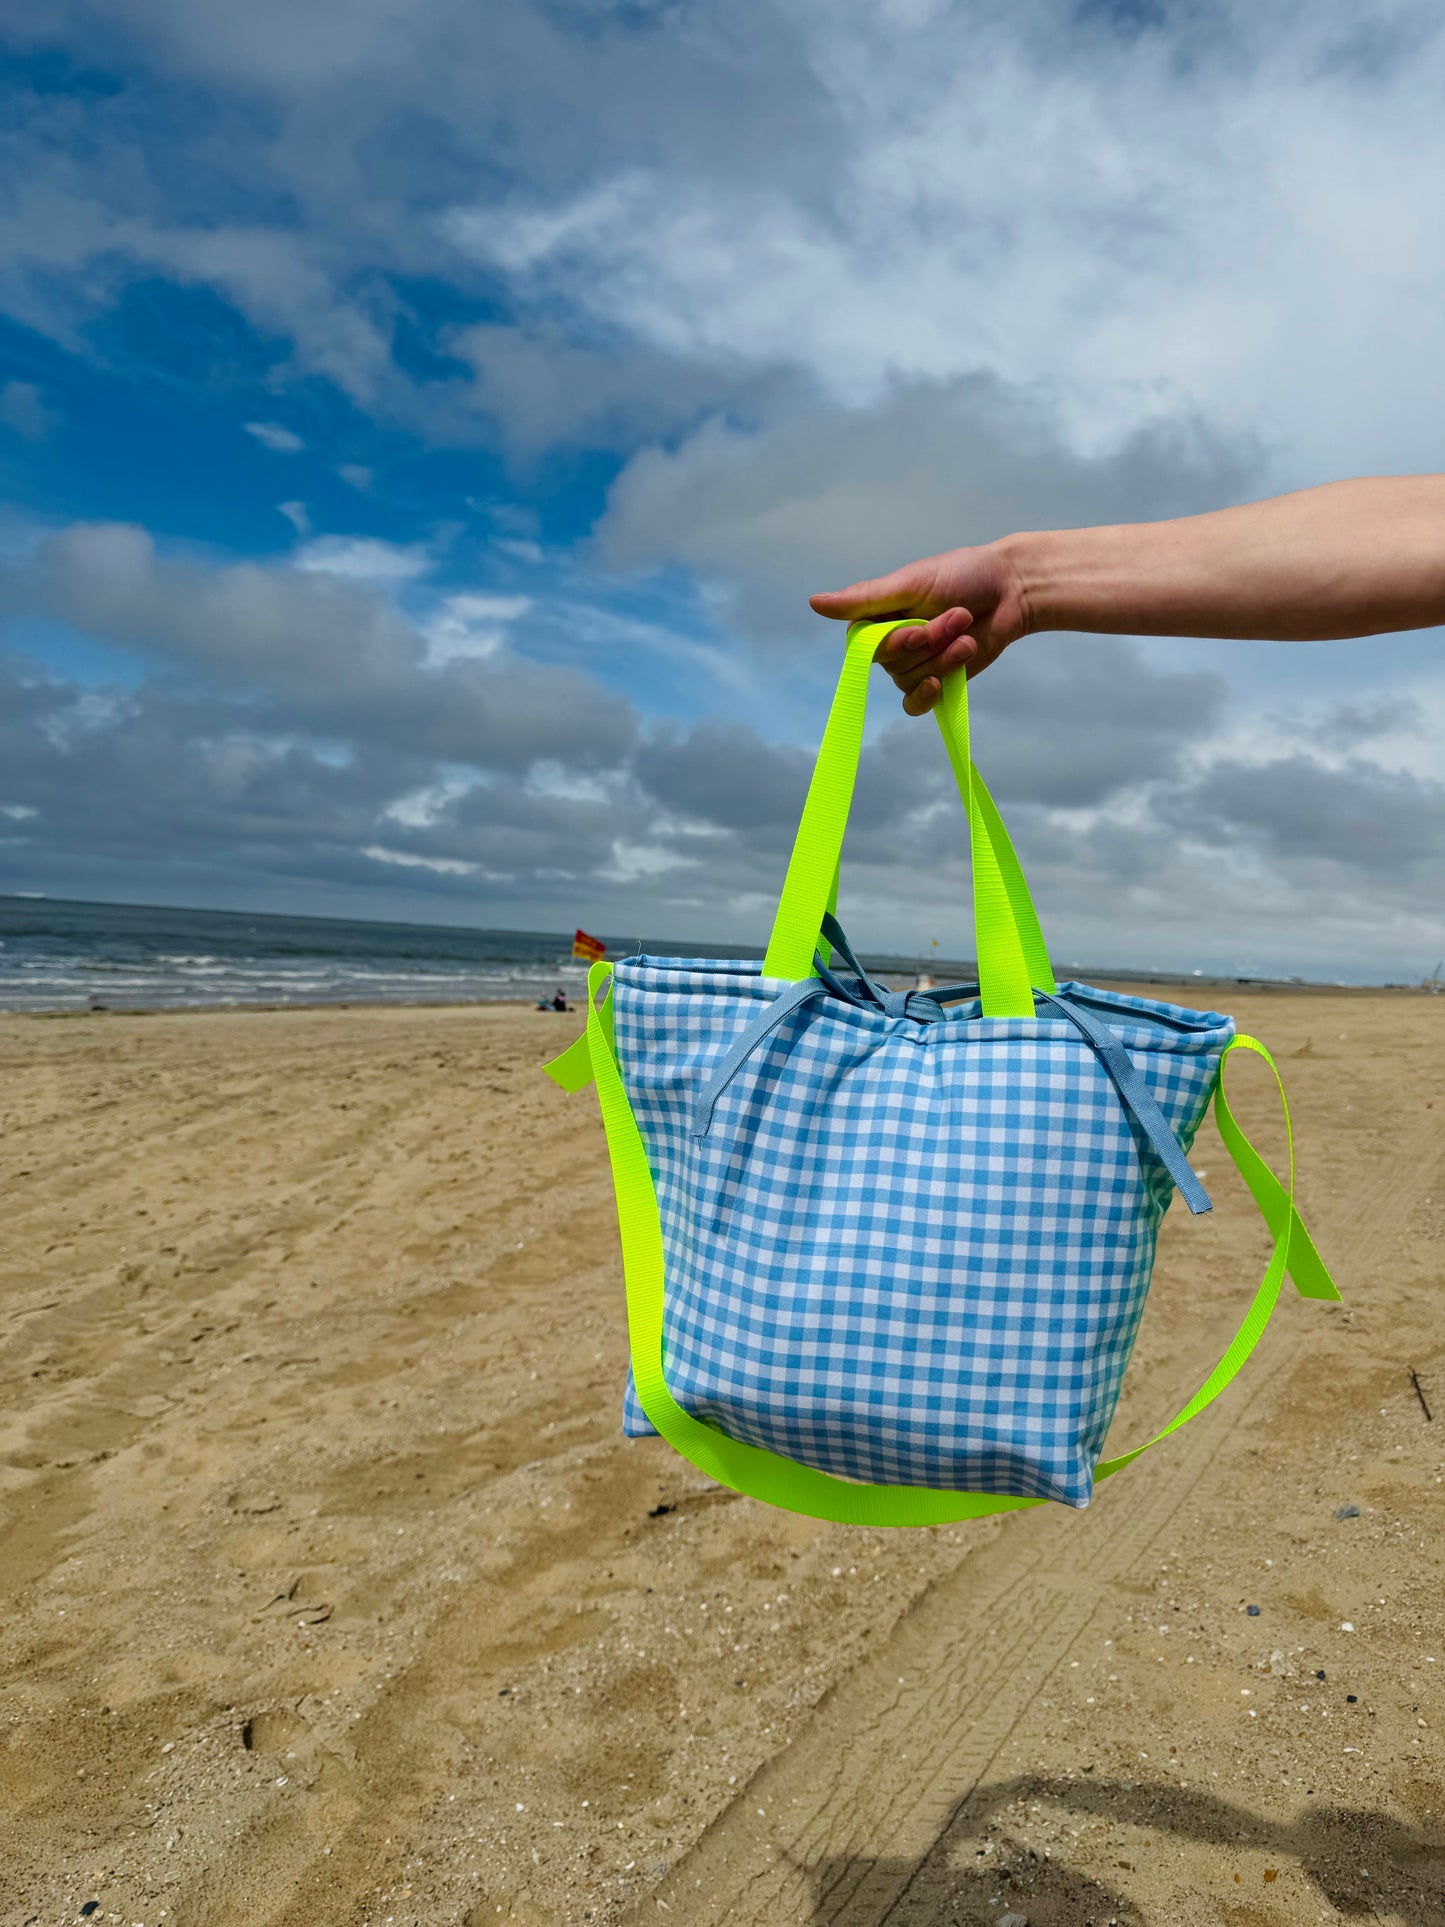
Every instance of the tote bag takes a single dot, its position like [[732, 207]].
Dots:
[[886, 1252]]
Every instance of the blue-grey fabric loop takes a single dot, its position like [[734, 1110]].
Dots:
[[767, 1020], [1138, 1097], [833, 931]]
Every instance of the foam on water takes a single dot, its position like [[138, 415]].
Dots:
[[58, 955]]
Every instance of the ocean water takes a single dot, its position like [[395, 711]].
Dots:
[[57, 955]]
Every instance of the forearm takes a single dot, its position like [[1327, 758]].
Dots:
[[1348, 559]]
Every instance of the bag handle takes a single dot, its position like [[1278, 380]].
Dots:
[[1012, 959]]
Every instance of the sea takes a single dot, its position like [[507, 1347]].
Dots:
[[58, 955]]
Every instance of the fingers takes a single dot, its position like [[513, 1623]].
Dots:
[[904, 647], [919, 658], [921, 698]]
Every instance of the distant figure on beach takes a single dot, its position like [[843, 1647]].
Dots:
[[1359, 558], [557, 1001]]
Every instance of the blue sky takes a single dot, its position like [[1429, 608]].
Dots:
[[421, 426]]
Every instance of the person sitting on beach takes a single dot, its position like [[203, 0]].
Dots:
[[1357, 558], [559, 1002]]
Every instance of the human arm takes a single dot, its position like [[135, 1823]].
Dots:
[[1350, 558]]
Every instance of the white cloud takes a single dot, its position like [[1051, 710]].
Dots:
[[363, 558], [421, 808], [632, 861], [471, 626], [355, 476], [23, 408], [296, 515], [1234, 232], [520, 238], [406, 859], [281, 441]]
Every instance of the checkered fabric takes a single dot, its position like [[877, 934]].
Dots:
[[904, 1253]]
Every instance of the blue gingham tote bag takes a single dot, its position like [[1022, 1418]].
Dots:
[[887, 1251]]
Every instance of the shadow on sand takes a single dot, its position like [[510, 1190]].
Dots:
[[1367, 1866]]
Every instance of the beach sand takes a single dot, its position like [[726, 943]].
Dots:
[[331, 1592]]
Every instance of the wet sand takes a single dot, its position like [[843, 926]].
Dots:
[[331, 1591]]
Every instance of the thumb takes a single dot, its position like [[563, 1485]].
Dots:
[[884, 595]]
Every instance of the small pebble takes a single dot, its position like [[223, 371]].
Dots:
[[1351, 1699], [1347, 1625], [1253, 1611], [1347, 1512]]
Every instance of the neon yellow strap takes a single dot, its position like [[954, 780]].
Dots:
[[1277, 1207], [1006, 987], [1003, 961], [798, 1488], [813, 865], [573, 1069], [1031, 938]]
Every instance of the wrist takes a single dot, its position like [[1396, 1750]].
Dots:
[[1073, 578], [1030, 576]]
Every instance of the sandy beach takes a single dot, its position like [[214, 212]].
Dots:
[[332, 1593]]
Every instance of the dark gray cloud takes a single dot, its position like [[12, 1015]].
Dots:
[[1385, 823], [725, 774], [162, 787], [535, 389], [172, 780], [1071, 722], [1345, 726], [332, 654]]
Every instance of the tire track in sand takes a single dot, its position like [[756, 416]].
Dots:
[[833, 1829]]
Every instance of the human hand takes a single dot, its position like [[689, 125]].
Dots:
[[975, 608]]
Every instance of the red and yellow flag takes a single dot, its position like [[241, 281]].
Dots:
[[590, 949]]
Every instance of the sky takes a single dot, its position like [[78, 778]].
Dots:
[[422, 424]]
